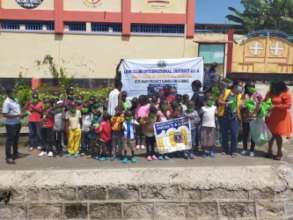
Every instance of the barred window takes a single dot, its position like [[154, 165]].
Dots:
[[28, 25], [10, 25], [158, 28], [106, 27], [37, 26], [76, 26]]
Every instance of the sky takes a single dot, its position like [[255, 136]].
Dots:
[[214, 11]]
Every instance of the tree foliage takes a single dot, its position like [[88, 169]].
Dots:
[[264, 14]]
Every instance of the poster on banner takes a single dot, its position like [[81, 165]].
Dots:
[[173, 135], [150, 76]]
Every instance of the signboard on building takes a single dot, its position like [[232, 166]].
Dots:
[[92, 3], [159, 3], [149, 76], [29, 4]]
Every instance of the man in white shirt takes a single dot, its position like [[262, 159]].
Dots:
[[12, 112], [113, 101]]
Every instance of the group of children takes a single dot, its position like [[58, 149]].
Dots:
[[76, 127]]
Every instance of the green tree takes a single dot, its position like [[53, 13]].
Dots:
[[264, 14]]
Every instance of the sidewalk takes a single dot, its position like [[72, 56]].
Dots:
[[31, 161]]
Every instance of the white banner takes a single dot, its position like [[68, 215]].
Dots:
[[173, 135], [150, 76]]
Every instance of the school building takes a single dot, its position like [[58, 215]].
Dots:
[[88, 38]]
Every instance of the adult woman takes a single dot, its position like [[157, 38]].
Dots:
[[279, 121]]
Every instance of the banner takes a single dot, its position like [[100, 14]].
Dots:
[[173, 135], [150, 76]]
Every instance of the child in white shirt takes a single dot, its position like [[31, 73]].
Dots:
[[208, 127]]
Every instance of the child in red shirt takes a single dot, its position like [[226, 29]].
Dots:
[[35, 107], [47, 129], [104, 132]]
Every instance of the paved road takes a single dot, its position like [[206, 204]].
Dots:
[[31, 161]]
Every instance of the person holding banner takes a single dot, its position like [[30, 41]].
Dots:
[[194, 120], [147, 124]]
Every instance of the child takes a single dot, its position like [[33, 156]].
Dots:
[[85, 129], [117, 132], [208, 127], [47, 129], [194, 121], [105, 132], [73, 125], [125, 102], [58, 126], [250, 93], [163, 115], [96, 120], [141, 112], [129, 137], [35, 108], [147, 124]]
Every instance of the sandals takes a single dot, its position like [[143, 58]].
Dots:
[[277, 157]]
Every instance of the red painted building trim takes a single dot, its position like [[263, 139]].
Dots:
[[157, 18], [190, 17], [126, 17], [126, 21], [19, 14], [230, 50], [59, 24], [92, 16]]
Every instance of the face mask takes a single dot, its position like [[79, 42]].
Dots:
[[251, 90], [127, 118], [84, 110], [210, 103], [73, 110], [35, 101]]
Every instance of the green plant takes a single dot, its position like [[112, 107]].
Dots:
[[59, 76], [22, 90]]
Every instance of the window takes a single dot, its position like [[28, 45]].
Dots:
[[76, 26], [158, 28], [106, 27], [213, 53], [37, 26], [28, 25], [10, 25]]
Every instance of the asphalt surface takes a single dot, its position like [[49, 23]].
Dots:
[[31, 161]]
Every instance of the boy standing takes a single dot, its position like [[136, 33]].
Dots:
[[117, 132], [35, 107]]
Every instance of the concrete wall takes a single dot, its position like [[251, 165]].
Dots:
[[83, 56], [86, 5], [198, 193], [170, 6]]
